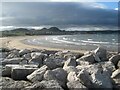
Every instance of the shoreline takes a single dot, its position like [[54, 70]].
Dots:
[[16, 42]]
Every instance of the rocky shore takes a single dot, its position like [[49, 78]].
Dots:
[[34, 69]]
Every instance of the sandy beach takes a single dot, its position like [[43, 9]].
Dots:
[[15, 42]]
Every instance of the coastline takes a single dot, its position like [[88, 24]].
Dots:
[[16, 42]]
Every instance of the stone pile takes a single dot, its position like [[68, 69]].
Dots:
[[43, 69]]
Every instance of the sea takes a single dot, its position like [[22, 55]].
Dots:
[[77, 42]]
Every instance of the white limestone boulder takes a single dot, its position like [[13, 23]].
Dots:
[[21, 73], [11, 61], [44, 85], [57, 74], [76, 85], [70, 62], [116, 76], [69, 69], [87, 58], [101, 53], [38, 74], [115, 59]]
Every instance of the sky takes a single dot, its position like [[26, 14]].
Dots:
[[67, 15]]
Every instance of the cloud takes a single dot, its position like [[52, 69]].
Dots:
[[116, 9], [69, 13], [59, 0]]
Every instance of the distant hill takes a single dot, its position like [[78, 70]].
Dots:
[[49, 31], [20, 30]]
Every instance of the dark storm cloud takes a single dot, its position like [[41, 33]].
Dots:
[[29, 13]]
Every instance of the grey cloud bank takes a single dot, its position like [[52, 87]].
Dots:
[[54, 13]]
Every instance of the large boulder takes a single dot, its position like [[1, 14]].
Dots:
[[109, 66], [101, 53], [73, 55], [3, 54], [50, 63], [44, 85], [101, 79], [76, 85], [38, 74], [48, 52], [27, 56], [93, 68], [116, 76], [88, 58], [4, 49], [38, 58], [72, 76], [24, 51], [61, 76], [69, 69], [21, 73], [57, 74], [118, 65], [70, 62], [8, 68], [11, 61], [85, 78], [8, 83], [13, 54], [98, 75], [115, 59], [53, 63]]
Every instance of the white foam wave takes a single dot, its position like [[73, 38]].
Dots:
[[95, 42]]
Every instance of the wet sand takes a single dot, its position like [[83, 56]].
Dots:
[[16, 42]]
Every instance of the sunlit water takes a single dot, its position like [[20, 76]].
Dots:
[[81, 41]]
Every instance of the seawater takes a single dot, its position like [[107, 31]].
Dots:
[[81, 41]]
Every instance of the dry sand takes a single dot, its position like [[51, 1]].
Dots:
[[15, 42]]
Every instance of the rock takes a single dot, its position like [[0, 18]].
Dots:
[[21, 73], [27, 56], [109, 66], [116, 76], [73, 55], [61, 76], [72, 76], [4, 49], [76, 85], [35, 50], [13, 54], [101, 79], [57, 74], [36, 55], [70, 62], [88, 58], [38, 74], [48, 52], [11, 61], [37, 58], [8, 83], [69, 69], [82, 63], [118, 65], [115, 59], [50, 63], [53, 63], [49, 75], [3, 54], [44, 85], [8, 68], [24, 51], [101, 53], [93, 68], [85, 78]]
